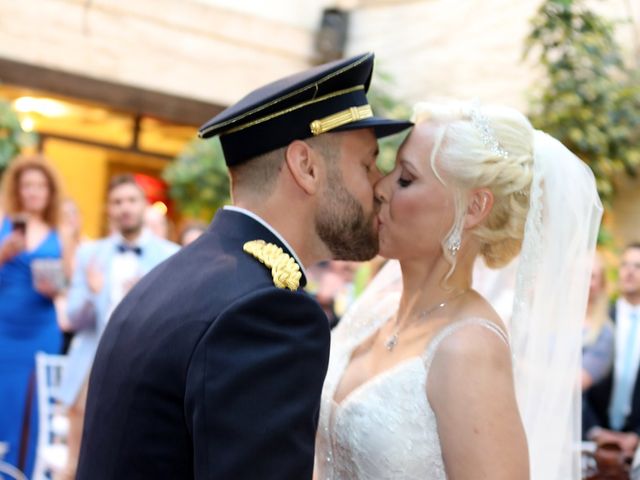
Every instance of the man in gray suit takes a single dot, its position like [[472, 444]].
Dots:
[[105, 271]]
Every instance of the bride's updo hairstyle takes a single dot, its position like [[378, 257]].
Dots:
[[483, 147]]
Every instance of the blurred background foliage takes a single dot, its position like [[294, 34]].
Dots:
[[385, 104], [589, 97], [198, 179], [12, 137]]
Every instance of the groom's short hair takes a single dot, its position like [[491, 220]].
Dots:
[[259, 174]]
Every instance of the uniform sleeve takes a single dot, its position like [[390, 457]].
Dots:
[[253, 388]]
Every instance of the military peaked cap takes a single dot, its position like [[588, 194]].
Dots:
[[327, 98]]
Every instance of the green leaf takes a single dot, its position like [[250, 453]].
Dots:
[[12, 138], [589, 99]]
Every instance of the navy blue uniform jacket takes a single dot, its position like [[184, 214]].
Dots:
[[206, 370]]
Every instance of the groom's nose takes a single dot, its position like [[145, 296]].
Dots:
[[380, 189]]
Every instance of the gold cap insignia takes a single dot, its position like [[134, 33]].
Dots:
[[284, 269]]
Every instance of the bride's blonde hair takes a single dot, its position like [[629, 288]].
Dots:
[[484, 147]]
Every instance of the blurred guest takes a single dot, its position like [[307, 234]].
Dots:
[[71, 236], [332, 285], [611, 411], [156, 221], [28, 222], [365, 272], [70, 233], [191, 232], [598, 336], [105, 271]]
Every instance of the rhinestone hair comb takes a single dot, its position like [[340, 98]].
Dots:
[[488, 136]]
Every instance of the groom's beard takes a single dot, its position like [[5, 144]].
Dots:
[[343, 226]]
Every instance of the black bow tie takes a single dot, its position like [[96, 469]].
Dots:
[[123, 248]]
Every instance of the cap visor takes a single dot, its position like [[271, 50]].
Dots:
[[382, 126]]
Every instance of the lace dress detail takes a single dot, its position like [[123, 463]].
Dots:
[[385, 428]]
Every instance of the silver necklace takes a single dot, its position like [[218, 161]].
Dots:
[[393, 339]]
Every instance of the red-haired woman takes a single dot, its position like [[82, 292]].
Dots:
[[28, 220]]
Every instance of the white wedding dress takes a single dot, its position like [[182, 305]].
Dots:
[[385, 428]]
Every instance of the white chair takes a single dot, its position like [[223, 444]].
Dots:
[[8, 472], [51, 452]]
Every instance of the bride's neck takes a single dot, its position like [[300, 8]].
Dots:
[[424, 285]]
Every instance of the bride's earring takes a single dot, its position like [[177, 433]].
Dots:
[[453, 242]]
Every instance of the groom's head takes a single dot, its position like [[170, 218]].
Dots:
[[306, 146], [333, 174]]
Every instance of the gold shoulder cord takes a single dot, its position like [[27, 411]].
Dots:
[[284, 269]]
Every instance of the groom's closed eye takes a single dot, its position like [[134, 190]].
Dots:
[[370, 164]]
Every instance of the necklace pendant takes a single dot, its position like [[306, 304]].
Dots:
[[391, 342]]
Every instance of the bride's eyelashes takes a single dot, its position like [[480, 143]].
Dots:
[[405, 179], [404, 182]]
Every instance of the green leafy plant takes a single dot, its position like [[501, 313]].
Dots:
[[12, 137], [198, 179], [589, 98], [385, 104]]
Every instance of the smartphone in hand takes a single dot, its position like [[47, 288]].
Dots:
[[20, 225]]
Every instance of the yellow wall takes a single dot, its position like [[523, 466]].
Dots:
[[625, 211], [83, 170]]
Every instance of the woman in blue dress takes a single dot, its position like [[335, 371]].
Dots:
[[28, 221]]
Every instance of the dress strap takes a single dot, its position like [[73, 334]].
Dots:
[[453, 327]]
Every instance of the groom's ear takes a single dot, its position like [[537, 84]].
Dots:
[[479, 206], [303, 164]]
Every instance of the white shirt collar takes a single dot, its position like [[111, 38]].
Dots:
[[264, 223], [626, 308]]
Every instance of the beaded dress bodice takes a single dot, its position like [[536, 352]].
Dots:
[[385, 428]]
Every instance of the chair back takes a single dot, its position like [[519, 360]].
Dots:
[[7, 471], [51, 449]]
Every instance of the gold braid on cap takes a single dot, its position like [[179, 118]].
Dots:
[[343, 117], [284, 269]]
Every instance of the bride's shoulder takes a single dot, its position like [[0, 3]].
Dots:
[[472, 351], [470, 338], [476, 312], [473, 342], [475, 338]]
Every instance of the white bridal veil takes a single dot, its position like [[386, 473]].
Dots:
[[550, 304]]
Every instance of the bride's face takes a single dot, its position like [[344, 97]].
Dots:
[[416, 210]]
